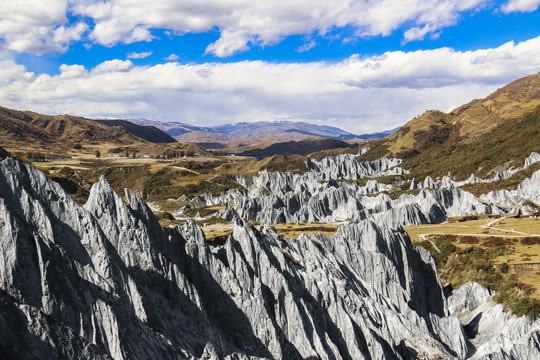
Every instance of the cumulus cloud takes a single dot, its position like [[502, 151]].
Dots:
[[41, 27], [113, 66], [262, 23], [520, 6], [360, 94], [37, 26], [142, 55]]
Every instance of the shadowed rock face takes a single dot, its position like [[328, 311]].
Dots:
[[107, 281]]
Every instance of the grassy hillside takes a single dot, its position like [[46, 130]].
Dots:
[[293, 164], [504, 256], [492, 133], [148, 133], [442, 153], [439, 150]]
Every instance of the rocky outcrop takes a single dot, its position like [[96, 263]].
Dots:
[[106, 281], [447, 183], [467, 298], [345, 166], [334, 202], [272, 197], [527, 190], [494, 332]]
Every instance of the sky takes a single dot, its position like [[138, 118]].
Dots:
[[361, 65]]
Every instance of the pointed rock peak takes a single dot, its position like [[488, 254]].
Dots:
[[139, 206], [230, 215], [211, 353], [192, 232], [18, 176], [101, 195], [9, 165], [103, 185]]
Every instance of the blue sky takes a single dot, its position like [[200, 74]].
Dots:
[[360, 65]]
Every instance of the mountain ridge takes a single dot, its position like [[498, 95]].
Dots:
[[249, 130]]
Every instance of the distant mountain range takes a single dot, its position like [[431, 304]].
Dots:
[[276, 131]]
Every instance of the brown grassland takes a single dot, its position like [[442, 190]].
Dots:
[[504, 257]]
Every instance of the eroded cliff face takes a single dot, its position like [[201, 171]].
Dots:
[[105, 280]]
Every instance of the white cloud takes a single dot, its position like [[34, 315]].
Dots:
[[262, 23], [43, 26], [142, 55], [37, 26], [11, 71], [113, 66], [72, 71], [358, 94], [172, 57], [520, 6]]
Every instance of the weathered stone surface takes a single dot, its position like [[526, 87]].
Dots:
[[106, 281], [345, 166], [467, 298], [496, 334], [272, 197]]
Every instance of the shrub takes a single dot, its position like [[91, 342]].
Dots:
[[525, 306], [529, 240]]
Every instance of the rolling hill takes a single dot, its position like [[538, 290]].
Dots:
[[498, 131], [26, 129], [58, 136], [145, 132], [301, 147]]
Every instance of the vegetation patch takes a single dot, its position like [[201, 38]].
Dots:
[[377, 149], [319, 155], [465, 218], [530, 240], [478, 155], [458, 265], [295, 230]]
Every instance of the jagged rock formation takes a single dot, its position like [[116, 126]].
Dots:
[[106, 281], [286, 198], [447, 183], [527, 190], [283, 197], [495, 333], [320, 179], [345, 166]]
